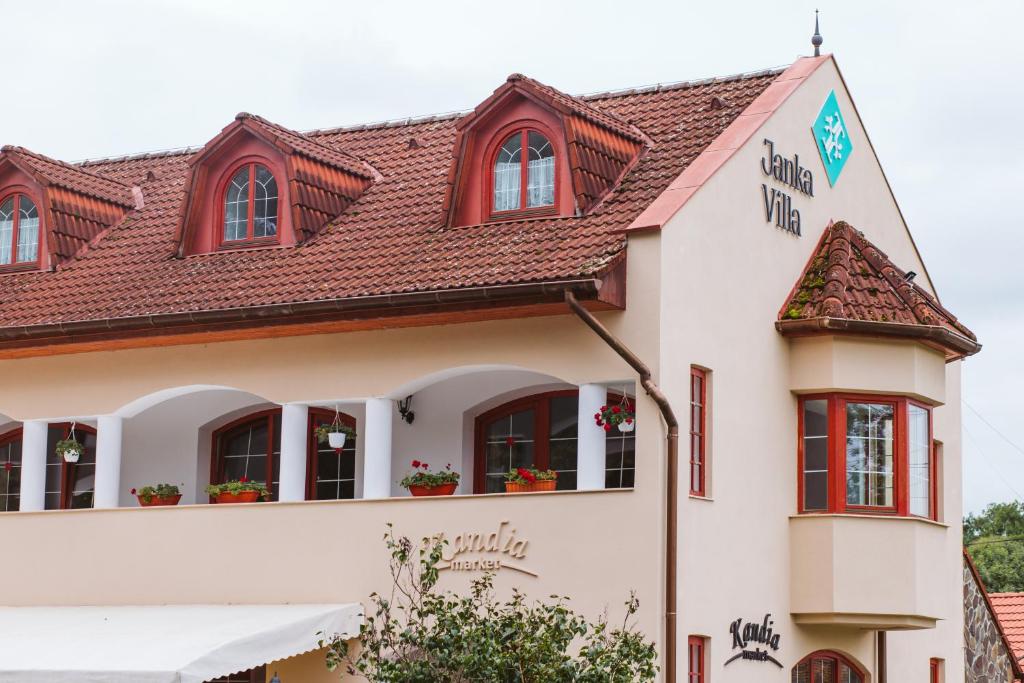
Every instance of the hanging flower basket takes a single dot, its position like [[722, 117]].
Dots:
[[239, 491], [69, 449], [423, 482], [158, 496], [335, 434], [620, 416], [528, 480]]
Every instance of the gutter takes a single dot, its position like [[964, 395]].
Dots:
[[946, 338], [276, 313], [672, 485]]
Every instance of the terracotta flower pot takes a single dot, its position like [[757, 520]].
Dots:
[[440, 490], [240, 497], [539, 485], [159, 501]]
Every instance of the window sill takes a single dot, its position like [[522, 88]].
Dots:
[[20, 268], [850, 515], [694, 496]]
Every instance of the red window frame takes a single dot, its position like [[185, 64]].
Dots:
[[18, 193], [835, 657], [698, 456], [13, 436], [67, 469], [500, 138], [695, 659], [837, 426], [316, 416], [222, 193]]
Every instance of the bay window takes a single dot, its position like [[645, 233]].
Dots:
[[866, 454]]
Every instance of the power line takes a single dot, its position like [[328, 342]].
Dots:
[[993, 428], [1011, 539], [985, 459]]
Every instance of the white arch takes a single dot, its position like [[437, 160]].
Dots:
[[420, 383], [140, 404]]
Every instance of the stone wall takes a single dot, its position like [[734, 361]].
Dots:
[[988, 660]]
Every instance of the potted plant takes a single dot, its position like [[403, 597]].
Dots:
[[159, 495], [621, 416], [423, 482], [334, 434], [69, 449], [238, 491], [527, 479]]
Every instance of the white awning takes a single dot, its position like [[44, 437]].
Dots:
[[160, 644]]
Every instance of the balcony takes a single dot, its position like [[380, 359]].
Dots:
[[866, 572]]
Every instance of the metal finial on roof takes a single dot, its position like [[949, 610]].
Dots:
[[816, 39]]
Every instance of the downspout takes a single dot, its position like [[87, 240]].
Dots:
[[671, 488]]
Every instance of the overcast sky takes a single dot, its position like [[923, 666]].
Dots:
[[938, 84]]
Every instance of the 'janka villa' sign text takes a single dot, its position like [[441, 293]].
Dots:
[[793, 177], [750, 636]]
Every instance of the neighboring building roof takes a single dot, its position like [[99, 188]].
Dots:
[[851, 285], [78, 204], [387, 244], [1009, 611]]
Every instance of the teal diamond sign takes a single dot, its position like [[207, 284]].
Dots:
[[833, 138]]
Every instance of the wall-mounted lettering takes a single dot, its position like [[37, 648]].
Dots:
[[778, 203], [743, 634], [499, 549]]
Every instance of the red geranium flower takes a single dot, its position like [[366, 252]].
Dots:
[[607, 428], [510, 441], [529, 476], [416, 464], [133, 491], [425, 465], [244, 479], [616, 409]]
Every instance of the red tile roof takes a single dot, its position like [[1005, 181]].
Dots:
[[78, 204], [850, 284], [1009, 611], [389, 241]]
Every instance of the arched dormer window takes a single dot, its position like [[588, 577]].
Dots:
[[510, 174], [826, 667], [19, 230], [250, 205]]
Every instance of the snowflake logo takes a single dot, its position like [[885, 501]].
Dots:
[[832, 138]]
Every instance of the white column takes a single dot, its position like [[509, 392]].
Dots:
[[33, 465], [591, 438], [377, 448], [294, 442], [109, 429]]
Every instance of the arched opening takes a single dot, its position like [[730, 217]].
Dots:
[[826, 666]]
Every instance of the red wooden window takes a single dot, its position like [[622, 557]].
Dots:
[[864, 453], [826, 667], [251, 206], [330, 475], [19, 230], [523, 187], [70, 485], [935, 671], [541, 431], [695, 659], [10, 471], [698, 430], [251, 447]]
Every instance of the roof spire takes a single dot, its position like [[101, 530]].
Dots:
[[816, 39]]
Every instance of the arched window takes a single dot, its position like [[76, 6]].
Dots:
[[251, 447], [10, 471], [70, 485], [19, 230], [826, 667], [541, 431], [511, 175], [250, 205]]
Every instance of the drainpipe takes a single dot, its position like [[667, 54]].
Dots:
[[671, 488]]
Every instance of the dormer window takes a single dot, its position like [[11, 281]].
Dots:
[[250, 205], [19, 230], [511, 175]]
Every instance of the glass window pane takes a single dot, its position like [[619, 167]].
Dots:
[[236, 206], [919, 451], [540, 182], [6, 230], [507, 174], [815, 442], [869, 454], [264, 204], [28, 231]]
